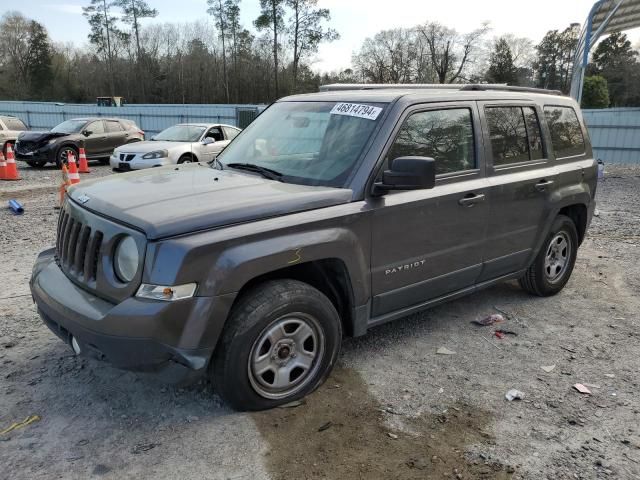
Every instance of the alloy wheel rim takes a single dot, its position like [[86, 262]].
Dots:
[[64, 155], [286, 356], [557, 257]]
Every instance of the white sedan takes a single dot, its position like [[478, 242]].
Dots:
[[183, 143]]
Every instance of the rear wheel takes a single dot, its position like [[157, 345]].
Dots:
[[553, 265], [280, 343]]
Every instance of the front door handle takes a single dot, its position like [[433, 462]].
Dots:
[[542, 185], [471, 199]]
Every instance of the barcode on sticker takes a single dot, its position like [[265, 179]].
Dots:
[[356, 110]]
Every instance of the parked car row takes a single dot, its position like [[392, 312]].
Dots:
[[115, 141], [183, 143]]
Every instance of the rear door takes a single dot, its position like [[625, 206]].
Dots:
[[522, 180], [116, 134], [429, 243]]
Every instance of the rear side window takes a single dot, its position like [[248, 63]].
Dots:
[[444, 135], [566, 133], [113, 126], [14, 124], [231, 133]]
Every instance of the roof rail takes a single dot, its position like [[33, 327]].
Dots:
[[480, 87], [498, 87]]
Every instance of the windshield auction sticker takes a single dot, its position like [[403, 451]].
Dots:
[[356, 110]]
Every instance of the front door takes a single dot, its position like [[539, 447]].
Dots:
[[428, 243], [522, 181], [95, 143]]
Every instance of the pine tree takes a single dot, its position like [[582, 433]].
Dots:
[[501, 66]]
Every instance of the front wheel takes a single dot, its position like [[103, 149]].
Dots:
[[553, 265], [63, 155], [280, 343]]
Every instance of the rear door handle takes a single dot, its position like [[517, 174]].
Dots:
[[471, 199], [542, 185]]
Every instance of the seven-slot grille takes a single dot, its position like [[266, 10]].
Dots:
[[25, 146], [78, 247], [127, 157]]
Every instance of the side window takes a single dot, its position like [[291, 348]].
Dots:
[[113, 126], [231, 133], [14, 124], [566, 134], [95, 127], [508, 133], [215, 133], [534, 133], [444, 135]]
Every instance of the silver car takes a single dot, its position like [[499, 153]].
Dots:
[[10, 128], [182, 143]]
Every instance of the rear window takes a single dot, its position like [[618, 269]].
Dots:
[[113, 126], [14, 124], [515, 134], [566, 133]]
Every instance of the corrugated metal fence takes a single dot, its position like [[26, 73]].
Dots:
[[615, 134], [150, 118]]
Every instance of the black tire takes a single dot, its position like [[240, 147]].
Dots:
[[188, 158], [104, 161], [61, 155], [542, 279], [263, 309]]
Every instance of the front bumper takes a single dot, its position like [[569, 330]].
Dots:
[[173, 339], [136, 163], [44, 154]]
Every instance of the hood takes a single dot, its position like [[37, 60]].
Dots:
[[150, 146], [38, 137], [172, 200]]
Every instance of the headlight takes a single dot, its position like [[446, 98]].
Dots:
[[126, 259], [156, 154], [166, 293]]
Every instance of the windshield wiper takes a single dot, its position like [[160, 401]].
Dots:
[[264, 171]]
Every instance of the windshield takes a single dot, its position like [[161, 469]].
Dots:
[[312, 143], [180, 133], [70, 126]]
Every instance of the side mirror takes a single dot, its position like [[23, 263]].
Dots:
[[86, 133], [208, 141], [408, 173]]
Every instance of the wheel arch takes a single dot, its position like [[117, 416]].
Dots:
[[329, 275], [578, 213], [185, 155]]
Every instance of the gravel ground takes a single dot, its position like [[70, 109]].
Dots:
[[392, 409]]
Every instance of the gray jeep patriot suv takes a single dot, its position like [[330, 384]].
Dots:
[[330, 214]]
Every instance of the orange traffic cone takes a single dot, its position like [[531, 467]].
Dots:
[[65, 183], [11, 171], [3, 166], [74, 176], [84, 165]]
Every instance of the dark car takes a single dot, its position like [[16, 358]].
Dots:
[[99, 136], [330, 214]]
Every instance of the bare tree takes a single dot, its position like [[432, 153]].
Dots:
[[449, 51]]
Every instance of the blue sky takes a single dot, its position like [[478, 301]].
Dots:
[[354, 19]]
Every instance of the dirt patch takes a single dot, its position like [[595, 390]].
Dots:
[[341, 431]]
